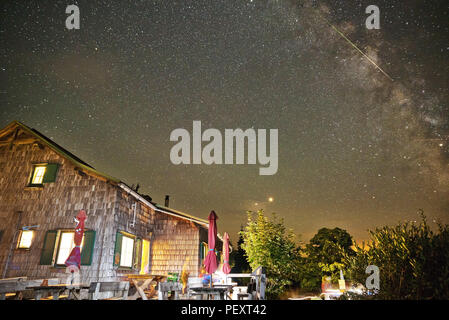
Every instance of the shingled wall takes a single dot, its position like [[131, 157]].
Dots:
[[51, 207]]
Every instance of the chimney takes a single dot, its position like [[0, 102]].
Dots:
[[167, 200]]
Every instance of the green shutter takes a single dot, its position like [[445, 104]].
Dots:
[[118, 248], [88, 247], [201, 252], [137, 253], [50, 172], [49, 247]]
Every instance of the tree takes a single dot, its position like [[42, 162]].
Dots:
[[267, 243], [238, 257], [412, 259], [327, 245], [325, 253]]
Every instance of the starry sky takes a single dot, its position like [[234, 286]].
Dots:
[[356, 149]]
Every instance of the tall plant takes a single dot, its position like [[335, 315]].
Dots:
[[413, 261], [267, 243]]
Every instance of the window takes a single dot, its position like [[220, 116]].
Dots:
[[59, 243], [25, 239], [128, 251], [145, 261], [43, 173], [38, 175], [66, 245], [126, 256]]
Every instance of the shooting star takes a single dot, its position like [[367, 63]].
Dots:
[[357, 48]]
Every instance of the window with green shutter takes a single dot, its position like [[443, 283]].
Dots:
[[127, 251], [118, 248], [43, 173], [88, 247], [48, 248]]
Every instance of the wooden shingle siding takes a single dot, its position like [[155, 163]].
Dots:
[[175, 247], [173, 241], [52, 207]]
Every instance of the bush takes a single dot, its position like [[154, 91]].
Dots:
[[267, 243], [412, 259]]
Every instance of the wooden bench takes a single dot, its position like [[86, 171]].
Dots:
[[119, 289], [164, 288], [16, 286]]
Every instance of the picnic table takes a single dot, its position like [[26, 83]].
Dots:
[[217, 291], [143, 282], [56, 290]]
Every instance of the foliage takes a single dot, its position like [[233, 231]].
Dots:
[[413, 261], [332, 270], [324, 255], [238, 258], [267, 243]]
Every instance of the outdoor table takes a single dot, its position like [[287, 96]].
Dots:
[[57, 289], [142, 282], [227, 286], [216, 291]]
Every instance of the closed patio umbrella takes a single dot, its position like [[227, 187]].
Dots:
[[226, 267], [210, 263], [73, 262]]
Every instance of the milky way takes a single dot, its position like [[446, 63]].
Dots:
[[356, 150]]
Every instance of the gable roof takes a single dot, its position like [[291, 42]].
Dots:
[[57, 148], [85, 167]]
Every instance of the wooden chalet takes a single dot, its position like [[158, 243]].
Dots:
[[42, 188]]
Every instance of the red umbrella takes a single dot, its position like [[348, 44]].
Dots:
[[210, 263], [226, 267], [73, 262]]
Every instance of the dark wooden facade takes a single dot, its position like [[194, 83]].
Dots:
[[113, 209]]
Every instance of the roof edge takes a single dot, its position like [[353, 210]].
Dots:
[[156, 207], [52, 145]]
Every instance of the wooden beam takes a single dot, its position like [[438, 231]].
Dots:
[[11, 142], [15, 137], [6, 131]]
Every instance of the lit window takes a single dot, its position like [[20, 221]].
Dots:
[[25, 240], [126, 256], [43, 173], [66, 245], [38, 175]]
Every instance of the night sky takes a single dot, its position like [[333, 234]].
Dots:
[[356, 150]]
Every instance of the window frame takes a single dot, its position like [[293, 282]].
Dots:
[[30, 180], [133, 238], [204, 248], [136, 253], [19, 239], [58, 245]]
